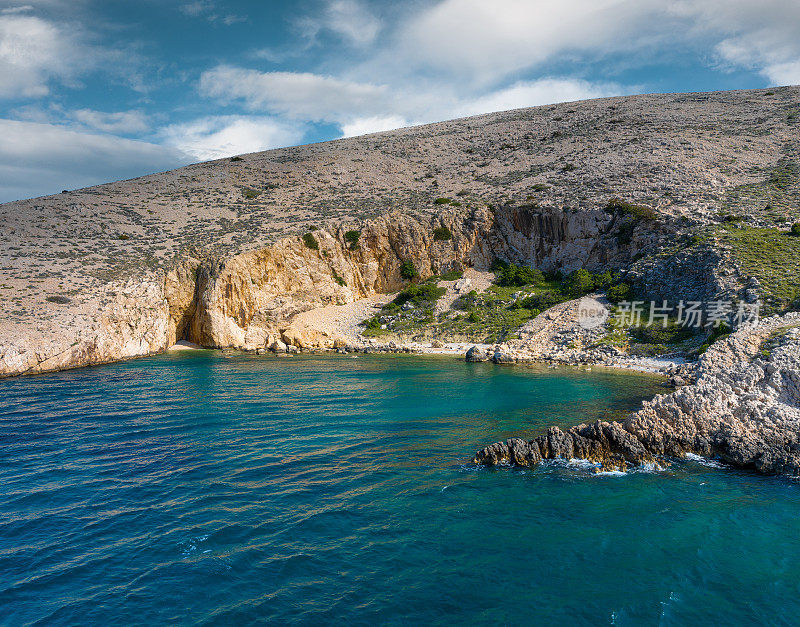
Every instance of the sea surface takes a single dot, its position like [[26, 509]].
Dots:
[[228, 489]]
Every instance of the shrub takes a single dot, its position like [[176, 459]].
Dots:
[[540, 301], [123, 236], [310, 241], [420, 294], [61, 300], [339, 280], [795, 230], [640, 212], [250, 193], [539, 187], [236, 159], [441, 234], [442, 201], [451, 275], [568, 167], [658, 334], [351, 237], [511, 275], [473, 316], [619, 292], [578, 283], [408, 271]]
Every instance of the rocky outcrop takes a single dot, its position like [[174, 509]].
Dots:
[[476, 354], [744, 410], [249, 300]]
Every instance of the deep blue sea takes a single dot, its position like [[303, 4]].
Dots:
[[231, 489]]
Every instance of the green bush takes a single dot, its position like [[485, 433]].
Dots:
[[578, 283], [619, 292], [351, 237], [659, 334], [640, 212], [250, 193], [425, 293], [540, 301], [408, 271], [441, 234], [512, 275], [442, 201], [795, 230], [310, 241], [236, 159], [451, 275]]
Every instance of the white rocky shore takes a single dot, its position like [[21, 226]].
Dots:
[[743, 409]]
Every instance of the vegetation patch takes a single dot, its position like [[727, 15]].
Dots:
[[441, 234], [408, 271], [352, 237], [250, 194], [310, 241], [770, 255], [776, 198], [638, 212]]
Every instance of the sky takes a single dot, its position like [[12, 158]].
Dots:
[[96, 91]]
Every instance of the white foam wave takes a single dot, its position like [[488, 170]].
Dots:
[[704, 461]]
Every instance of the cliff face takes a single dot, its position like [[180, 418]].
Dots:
[[248, 300]]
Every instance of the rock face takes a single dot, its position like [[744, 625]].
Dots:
[[744, 410]]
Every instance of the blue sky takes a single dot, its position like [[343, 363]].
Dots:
[[94, 91]]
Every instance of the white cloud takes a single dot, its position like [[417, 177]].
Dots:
[[540, 92], [32, 53], [351, 20], [26, 8], [763, 36], [125, 122], [38, 159], [374, 124], [485, 41], [223, 136], [360, 108], [207, 10], [296, 95]]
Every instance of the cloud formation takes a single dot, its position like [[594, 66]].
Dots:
[[34, 52], [38, 159], [215, 137]]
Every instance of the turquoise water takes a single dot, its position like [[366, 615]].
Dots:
[[206, 488]]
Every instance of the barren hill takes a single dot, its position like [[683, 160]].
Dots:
[[213, 252]]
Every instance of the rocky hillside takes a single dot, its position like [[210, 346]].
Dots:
[[226, 253]]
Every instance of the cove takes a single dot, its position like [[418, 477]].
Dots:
[[224, 488]]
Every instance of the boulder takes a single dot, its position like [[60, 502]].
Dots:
[[476, 354]]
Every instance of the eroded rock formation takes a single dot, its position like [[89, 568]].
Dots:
[[744, 409]]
